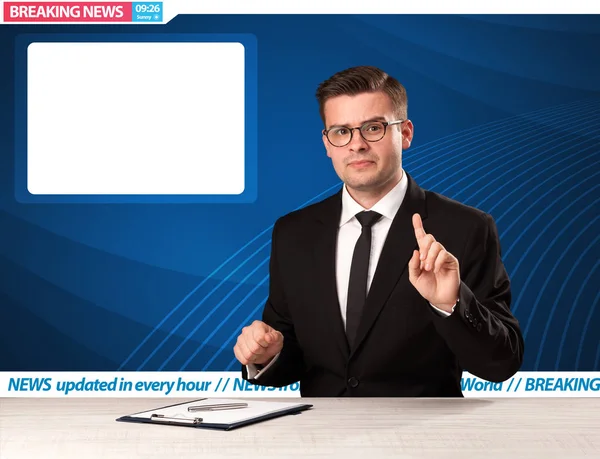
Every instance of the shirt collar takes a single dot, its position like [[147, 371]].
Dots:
[[386, 206]]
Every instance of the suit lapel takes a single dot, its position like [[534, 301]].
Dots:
[[325, 271], [394, 258]]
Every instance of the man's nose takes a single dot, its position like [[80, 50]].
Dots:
[[357, 143]]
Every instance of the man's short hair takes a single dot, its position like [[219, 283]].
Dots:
[[358, 80]]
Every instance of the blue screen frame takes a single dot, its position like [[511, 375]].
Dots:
[[249, 194]]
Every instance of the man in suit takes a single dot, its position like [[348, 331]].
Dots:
[[383, 289]]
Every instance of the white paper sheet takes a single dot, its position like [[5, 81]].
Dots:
[[254, 410]]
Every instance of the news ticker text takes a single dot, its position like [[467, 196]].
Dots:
[[231, 384]]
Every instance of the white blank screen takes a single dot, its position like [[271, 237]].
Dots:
[[135, 118]]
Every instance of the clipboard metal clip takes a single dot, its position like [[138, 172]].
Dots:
[[163, 418]]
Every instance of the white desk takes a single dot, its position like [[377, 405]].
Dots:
[[366, 428]]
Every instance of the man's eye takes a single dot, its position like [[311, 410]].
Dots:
[[372, 128]]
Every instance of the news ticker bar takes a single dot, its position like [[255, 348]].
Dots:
[[81, 12], [231, 384]]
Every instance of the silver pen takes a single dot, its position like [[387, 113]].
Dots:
[[218, 407]]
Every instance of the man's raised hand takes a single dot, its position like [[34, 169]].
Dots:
[[432, 270]]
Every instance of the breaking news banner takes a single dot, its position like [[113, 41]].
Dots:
[[65, 12], [231, 384]]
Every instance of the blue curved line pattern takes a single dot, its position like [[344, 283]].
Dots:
[[533, 204], [540, 169], [539, 198], [214, 332], [571, 313], [437, 156], [539, 235], [176, 308], [207, 316], [174, 329], [226, 344], [549, 277], [511, 151], [224, 321], [508, 183], [516, 220], [509, 142], [430, 145], [478, 152], [474, 143], [487, 140], [500, 217], [499, 127], [211, 312]]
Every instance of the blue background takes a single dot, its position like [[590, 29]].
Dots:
[[506, 112]]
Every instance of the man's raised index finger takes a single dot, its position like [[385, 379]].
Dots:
[[418, 226]]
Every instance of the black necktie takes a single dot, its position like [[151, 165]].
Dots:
[[357, 288]]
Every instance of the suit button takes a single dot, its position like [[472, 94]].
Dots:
[[474, 322], [478, 327], [353, 382]]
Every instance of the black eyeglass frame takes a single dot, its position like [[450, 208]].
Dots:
[[385, 124]]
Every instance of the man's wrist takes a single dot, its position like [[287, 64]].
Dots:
[[449, 308], [255, 369], [445, 310]]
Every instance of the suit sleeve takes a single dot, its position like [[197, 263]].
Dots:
[[289, 367], [482, 332]]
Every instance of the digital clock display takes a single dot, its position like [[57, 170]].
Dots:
[[147, 8], [147, 12]]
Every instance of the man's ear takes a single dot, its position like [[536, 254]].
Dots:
[[408, 131]]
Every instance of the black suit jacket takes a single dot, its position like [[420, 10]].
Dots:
[[403, 346]]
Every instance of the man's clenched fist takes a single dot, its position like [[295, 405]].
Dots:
[[258, 344]]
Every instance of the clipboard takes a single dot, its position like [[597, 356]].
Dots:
[[177, 414]]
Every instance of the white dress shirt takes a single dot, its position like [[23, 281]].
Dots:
[[348, 233], [350, 230]]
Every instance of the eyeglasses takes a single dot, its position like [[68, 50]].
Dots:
[[372, 131]]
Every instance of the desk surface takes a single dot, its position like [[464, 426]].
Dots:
[[358, 427]]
